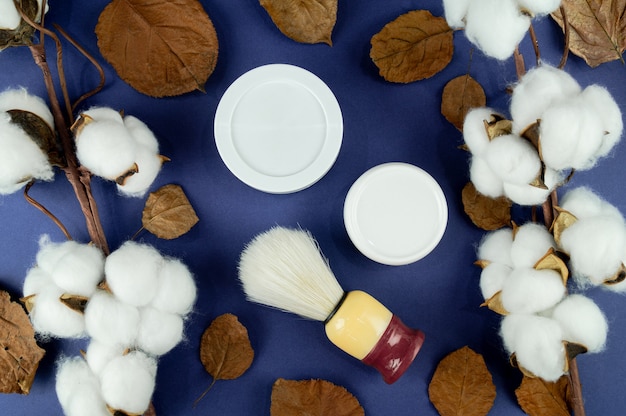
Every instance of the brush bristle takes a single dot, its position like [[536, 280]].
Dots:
[[284, 268]]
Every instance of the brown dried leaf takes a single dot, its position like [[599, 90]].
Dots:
[[485, 212], [19, 352], [22, 35], [225, 349], [168, 213], [537, 397], [162, 47], [41, 133], [597, 29], [462, 385], [305, 21], [415, 46], [312, 397], [459, 96]]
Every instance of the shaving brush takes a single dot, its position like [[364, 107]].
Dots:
[[285, 269]]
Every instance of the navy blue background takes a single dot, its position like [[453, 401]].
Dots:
[[383, 122]]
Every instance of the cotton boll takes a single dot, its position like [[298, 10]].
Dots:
[[141, 133], [595, 246], [99, 354], [177, 289], [159, 331], [496, 247], [528, 291], [492, 279], [128, 382], [539, 7], [496, 26], [80, 269], [110, 321], [455, 11], [50, 317], [78, 389], [532, 241], [106, 148], [601, 101], [36, 280], [532, 195], [537, 344], [20, 99], [583, 203], [474, 132], [484, 179], [149, 164], [21, 159], [539, 89], [131, 273], [513, 159], [582, 322], [104, 114], [9, 17]]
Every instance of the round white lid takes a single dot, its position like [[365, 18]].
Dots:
[[395, 213]]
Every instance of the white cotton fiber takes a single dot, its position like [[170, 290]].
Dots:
[[492, 279], [106, 148], [532, 242], [601, 101], [484, 179], [20, 99], [20, 158], [131, 272], [533, 195], [513, 159], [539, 89], [159, 331], [99, 354], [540, 7], [582, 322], [80, 269], [455, 11], [595, 246], [78, 389], [474, 132], [128, 382], [528, 291], [537, 344], [176, 290], [496, 26], [149, 165], [110, 321], [583, 203], [9, 17], [142, 133], [49, 253], [496, 247], [50, 317], [35, 281], [104, 114]]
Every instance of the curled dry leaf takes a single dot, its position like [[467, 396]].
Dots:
[[537, 397], [462, 385], [162, 47], [22, 35], [168, 213], [485, 212], [597, 29], [459, 96], [40, 132], [415, 46], [312, 397], [19, 353], [305, 21]]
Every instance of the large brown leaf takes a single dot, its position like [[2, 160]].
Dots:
[[597, 29], [415, 46], [159, 47], [462, 385], [19, 353], [168, 214], [537, 397], [305, 21], [459, 96], [485, 212], [312, 397]]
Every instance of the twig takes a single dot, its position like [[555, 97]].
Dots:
[[578, 406], [520, 67], [45, 210], [533, 38], [566, 30]]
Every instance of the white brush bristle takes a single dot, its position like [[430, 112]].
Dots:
[[284, 268]]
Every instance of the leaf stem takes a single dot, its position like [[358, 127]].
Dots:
[[195, 403], [566, 32], [43, 209]]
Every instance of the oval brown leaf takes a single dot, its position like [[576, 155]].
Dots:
[[459, 96], [462, 385], [160, 48], [415, 46], [486, 213], [312, 397], [305, 21], [537, 397], [168, 213], [19, 353], [597, 29]]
